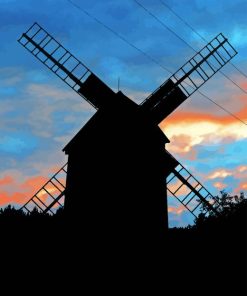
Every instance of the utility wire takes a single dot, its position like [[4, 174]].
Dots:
[[185, 42], [146, 55], [196, 32], [118, 35]]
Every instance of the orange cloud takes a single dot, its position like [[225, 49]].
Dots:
[[222, 173], [6, 180], [242, 168], [177, 210], [241, 187], [185, 130], [34, 182], [8, 198], [219, 185], [19, 193]]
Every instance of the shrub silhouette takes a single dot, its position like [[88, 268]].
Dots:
[[231, 207]]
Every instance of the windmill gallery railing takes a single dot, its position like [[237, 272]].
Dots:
[[180, 183]]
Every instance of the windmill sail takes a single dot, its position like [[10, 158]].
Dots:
[[66, 66], [189, 78], [50, 196], [180, 183]]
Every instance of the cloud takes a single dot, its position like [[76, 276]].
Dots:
[[176, 210], [12, 191], [17, 143], [219, 185], [186, 130], [7, 180], [220, 174]]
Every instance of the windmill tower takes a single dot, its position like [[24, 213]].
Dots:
[[118, 171]]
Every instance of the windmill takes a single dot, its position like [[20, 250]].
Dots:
[[118, 171]]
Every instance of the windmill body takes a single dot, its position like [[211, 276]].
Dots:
[[119, 172], [117, 168]]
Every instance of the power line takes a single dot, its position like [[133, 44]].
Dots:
[[119, 36], [145, 54], [185, 42], [223, 108], [163, 24], [197, 33]]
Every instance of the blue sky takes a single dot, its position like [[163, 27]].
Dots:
[[39, 114]]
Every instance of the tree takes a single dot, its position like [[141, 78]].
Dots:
[[228, 205]]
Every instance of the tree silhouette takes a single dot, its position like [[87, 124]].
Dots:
[[229, 205]]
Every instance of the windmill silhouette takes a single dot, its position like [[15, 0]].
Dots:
[[118, 171]]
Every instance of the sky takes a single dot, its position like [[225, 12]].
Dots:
[[39, 114]]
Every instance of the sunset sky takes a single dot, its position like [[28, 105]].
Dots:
[[39, 114]]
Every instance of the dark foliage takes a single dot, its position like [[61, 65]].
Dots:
[[207, 258]]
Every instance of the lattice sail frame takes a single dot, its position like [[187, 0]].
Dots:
[[182, 185], [188, 78], [200, 68], [50, 196], [55, 57]]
